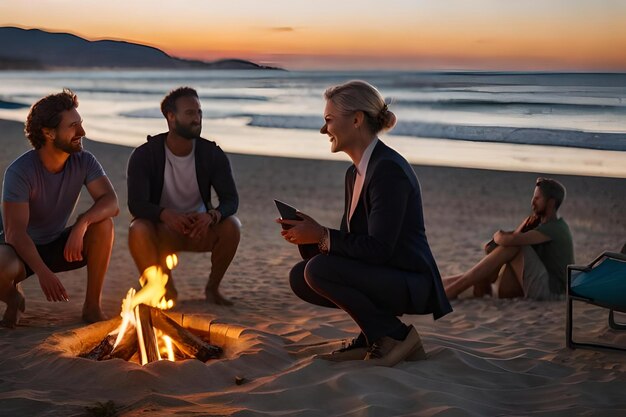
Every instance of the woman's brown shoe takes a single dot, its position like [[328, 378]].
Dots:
[[353, 351], [387, 351]]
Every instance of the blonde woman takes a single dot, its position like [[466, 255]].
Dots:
[[378, 264]]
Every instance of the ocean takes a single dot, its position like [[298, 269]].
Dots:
[[573, 123]]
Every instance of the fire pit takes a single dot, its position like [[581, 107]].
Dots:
[[80, 342], [147, 333], [154, 336]]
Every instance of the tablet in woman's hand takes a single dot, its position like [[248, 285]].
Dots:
[[286, 211]]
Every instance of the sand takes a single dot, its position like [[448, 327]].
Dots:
[[489, 357]]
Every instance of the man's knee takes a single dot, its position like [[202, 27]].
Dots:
[[230, 227], [506, 253], [102, 228], [11, 267], [140, 229]]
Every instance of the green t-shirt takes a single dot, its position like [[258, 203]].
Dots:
[[556, 253]]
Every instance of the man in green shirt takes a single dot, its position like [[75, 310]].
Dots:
[[530, 261]]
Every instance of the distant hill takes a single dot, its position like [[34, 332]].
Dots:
[[38, 49]]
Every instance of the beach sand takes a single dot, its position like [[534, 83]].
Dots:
[[489, 357]]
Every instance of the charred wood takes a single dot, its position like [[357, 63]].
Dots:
[[147, 333], [104, 350], [187, 342]]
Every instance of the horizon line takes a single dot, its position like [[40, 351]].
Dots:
[[341, 66]]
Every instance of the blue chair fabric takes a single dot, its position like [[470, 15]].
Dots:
[[601, 283]]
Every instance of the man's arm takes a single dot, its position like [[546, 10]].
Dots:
[[529, 223], [532, 237], [16, 217], [224, 185], [139, 182], [105, 206]]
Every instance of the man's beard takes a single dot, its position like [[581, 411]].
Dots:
[[188, 132], [69, 147]]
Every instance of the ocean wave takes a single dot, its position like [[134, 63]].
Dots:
[[534, 106], [151, 113], [457, 79], [155, 113], [503, 134], [11, 105], [162, 93], [286, 121]]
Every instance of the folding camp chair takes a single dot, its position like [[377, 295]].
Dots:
[[602, 283]]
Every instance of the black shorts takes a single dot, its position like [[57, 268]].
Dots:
[[52, 254]]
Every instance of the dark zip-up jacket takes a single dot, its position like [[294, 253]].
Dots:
[[146, 168]]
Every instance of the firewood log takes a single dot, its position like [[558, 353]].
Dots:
[[104, 350], [147, 333], [184, 340]]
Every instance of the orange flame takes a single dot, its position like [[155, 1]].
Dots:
[[152, 293]]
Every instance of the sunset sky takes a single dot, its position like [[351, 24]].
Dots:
[[574, 35]]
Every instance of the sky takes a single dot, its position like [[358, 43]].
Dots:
[[550, 35]]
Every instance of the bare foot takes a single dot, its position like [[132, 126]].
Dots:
[[93, 315], [214, 296], [16, 304]]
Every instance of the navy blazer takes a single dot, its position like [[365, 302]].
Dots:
[[387, 226]]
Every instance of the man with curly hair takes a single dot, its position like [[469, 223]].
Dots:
[[40, 190]]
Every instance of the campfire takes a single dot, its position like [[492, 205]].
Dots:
[[147, 330]]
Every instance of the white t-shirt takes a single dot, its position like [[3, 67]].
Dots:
[[180, 185]]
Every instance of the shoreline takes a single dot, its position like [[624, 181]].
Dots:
[[237, 136]]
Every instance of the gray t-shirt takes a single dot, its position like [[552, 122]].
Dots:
[[51, 197]]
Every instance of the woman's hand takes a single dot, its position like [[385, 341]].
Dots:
[[303, 231]]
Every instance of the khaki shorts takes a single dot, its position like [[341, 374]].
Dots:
[[536, 281]]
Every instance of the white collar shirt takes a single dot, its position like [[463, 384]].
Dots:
[[361, 171]]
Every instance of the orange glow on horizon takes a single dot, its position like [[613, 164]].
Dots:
[[546, 46], [489, 34]]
